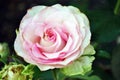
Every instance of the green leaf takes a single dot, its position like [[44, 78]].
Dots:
[[61, 76], [14, 71], [85, 77], [94, 77], [17, 31], [117, 8], [28, 69], [116, 63], [104, 25], [37, 73], [81, 4], [4, 52], [89, 50], [44, 75], [80, 66], [104, 54]]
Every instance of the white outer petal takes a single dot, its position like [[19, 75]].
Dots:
[[84, 26], [85, 29], [30, 14], [18, 46]]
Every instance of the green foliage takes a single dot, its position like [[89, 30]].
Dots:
[[117, 8], [28, 70], [89, 50], [4, 52], [105, 25], [45, 75], [104, 54], [15, 71], [116, 62], [93, 77], [82, 64]]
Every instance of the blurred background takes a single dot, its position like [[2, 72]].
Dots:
[[105, 27]]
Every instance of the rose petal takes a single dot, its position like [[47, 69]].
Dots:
[[20, 50]]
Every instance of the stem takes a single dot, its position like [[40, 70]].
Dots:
[[117, 7], [54, 74]]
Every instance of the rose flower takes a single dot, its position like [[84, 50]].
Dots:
[[52, 37]]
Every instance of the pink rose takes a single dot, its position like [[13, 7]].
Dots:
[[52, 37]]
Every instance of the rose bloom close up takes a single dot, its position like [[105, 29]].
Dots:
[[52, 37]]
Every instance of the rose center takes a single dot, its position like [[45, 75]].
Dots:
[[49, 37]]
